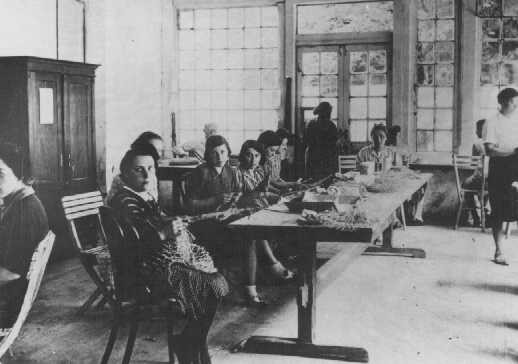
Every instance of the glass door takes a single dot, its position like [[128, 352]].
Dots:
[[354, 79]]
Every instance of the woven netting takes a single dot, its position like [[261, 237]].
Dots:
[[391, 181]]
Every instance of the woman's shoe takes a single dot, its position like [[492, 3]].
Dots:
[[499, 259], [255, 301], [280, 271]]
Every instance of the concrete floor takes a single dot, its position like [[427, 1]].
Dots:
[[455, 306]]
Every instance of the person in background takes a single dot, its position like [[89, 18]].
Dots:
[[157, 143], [392, 134], [501, 143], [272, 144], [23, 224], [475, 180], [320, 138], [383, 157], [166, 260], [254, 181], [196, 148], [287, 172], [343, 143]]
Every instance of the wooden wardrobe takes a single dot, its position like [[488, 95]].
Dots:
[[47, 109]]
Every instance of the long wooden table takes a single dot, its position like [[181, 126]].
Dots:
[[267, 224]]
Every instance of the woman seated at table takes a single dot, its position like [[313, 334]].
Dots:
[[254, 181], [146, 138], [172, 266], [384, 157], [272, 143], [23, 224]]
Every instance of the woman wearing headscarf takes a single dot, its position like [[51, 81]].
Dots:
[[320, 138]]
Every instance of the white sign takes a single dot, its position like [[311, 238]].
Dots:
[[46, 105]]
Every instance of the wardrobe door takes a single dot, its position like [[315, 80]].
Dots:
[[78, 134], [45, 130]]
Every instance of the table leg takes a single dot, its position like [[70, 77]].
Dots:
[[306, 303], [387, 249]]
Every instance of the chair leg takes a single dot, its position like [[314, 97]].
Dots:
[[403, 217], [113, 336], [101, 303], [459, 211], [170, 339], [89, 302], [131, 338]]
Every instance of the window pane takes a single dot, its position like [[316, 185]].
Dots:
[[252, 58], [445, 29], [334, 103], [424, 141], [444, 74], [358, 85], [490, 52], [269, 79], [426, 30], [202, 39], [202, 99], [328, 86], [425, 75], [444, 119], [236, 18], [187, 60], [219, 38], [270, 17], [310, 86], [487, 97], [488, 8], [378, 85], [235, 119], [443, 141], [235, 38], [186, 39], [491, 28], [218, 59], [218, 80], [425, 9], [252, 37], [253, 17], [358, 130], [310, 62], [269, 37], [425, 119], [345, 17], [187, 99], [218, 99], [186, 19], [203, 59], [425, 97], [202, 18], [358, 108], [219, 18], [445, 52], [511, 28], [308, 116], [377, 107], [269, 119], [252, 119], [310, 102], [235, 58], [329, 62], [378, 61], [270, 58], [252, 79], [445, 9], [444, 96], [489, 74], [220, 118], [252, 99], [508, 73], [510, 7], [358, 62], [270, 99], [510, 51], [186, 80], [425, 53], [235, 100]]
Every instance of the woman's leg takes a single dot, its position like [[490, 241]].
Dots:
[[267, 250], [498, 234], [251, 263]]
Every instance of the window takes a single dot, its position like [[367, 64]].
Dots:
[[229, 72], [499, 51], [435, 75]]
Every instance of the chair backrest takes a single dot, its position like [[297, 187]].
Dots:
[[346, 163], [39, 260], [81, 206], [468, 163]]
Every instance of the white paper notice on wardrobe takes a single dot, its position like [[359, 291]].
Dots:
[[46, 105]]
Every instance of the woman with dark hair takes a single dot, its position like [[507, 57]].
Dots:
[[23, 224], [215, 184], [254, 181], [320, 138], [501, 143], [145, 139], [272, 143], [170, 267]]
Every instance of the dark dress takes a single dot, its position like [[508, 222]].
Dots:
[[503, 171], [155, 260], [23, 224], [320, 138]]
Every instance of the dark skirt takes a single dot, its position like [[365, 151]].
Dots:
[[503, 171]]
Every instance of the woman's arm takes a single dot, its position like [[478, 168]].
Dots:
[[493, 150]]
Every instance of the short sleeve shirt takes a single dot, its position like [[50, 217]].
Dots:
[[502, 131]]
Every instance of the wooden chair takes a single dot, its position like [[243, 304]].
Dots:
[[82, 210], [346, 163], [136, 299], [470, 163], [39, 260]]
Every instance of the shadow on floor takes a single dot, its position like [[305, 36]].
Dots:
[[499, 288]]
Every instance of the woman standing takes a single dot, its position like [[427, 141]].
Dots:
[[501, 143], [320, 137]]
